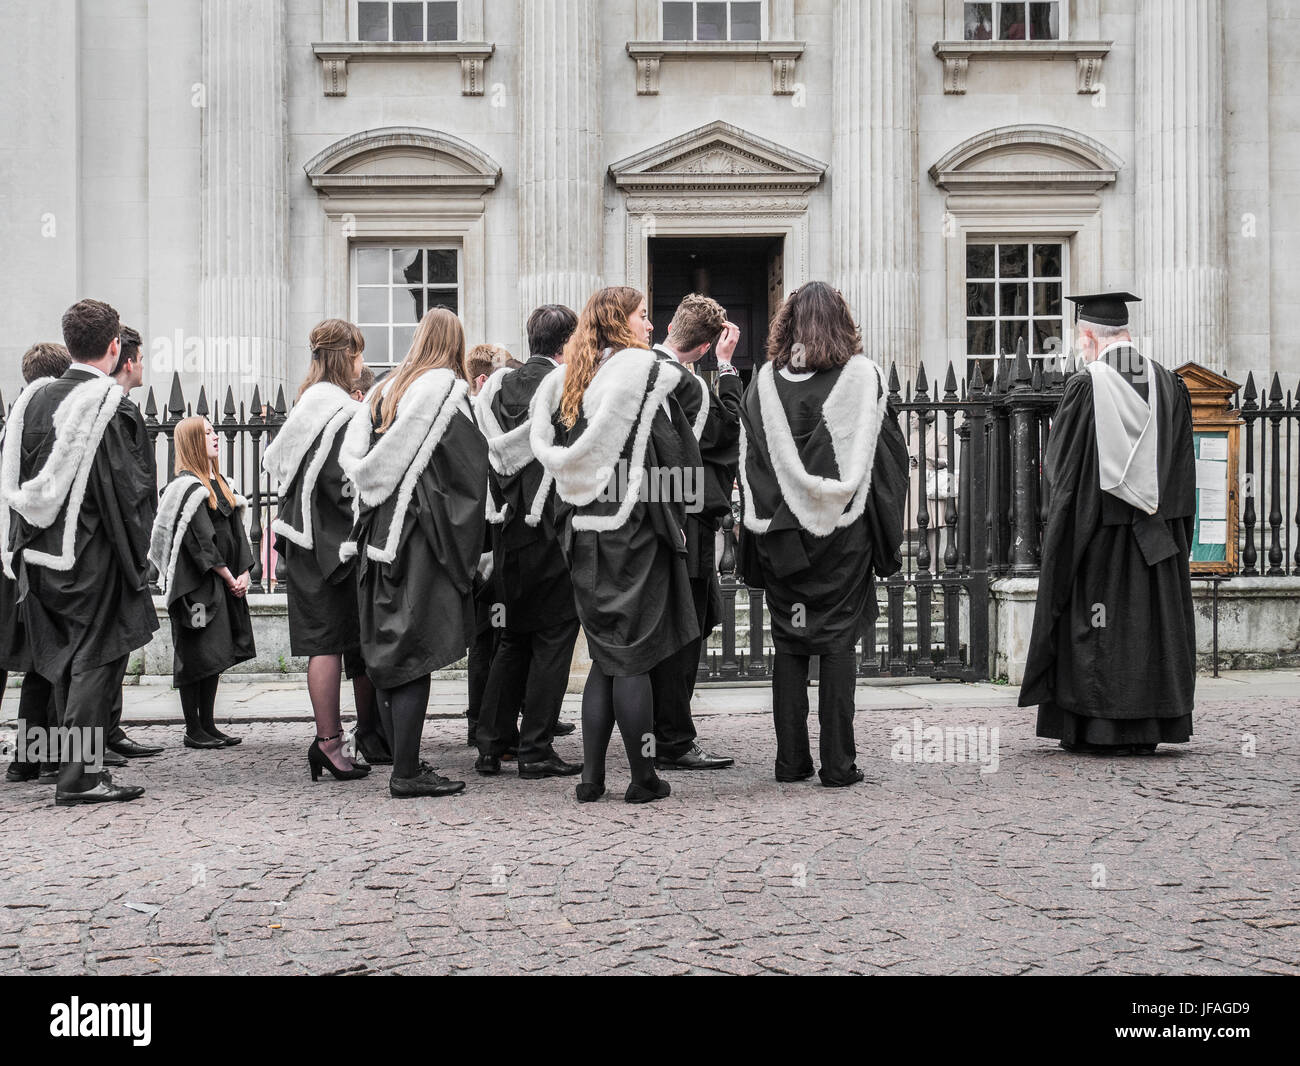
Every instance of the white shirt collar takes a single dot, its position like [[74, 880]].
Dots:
[[93, 369], [669, 351]]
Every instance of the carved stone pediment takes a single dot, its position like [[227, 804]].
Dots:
[[1037, 158], [718, 158], [399, 159]]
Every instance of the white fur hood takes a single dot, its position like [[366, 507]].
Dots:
[[180, 500]]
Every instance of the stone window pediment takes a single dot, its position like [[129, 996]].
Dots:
[[1028, 159], [402, 159]]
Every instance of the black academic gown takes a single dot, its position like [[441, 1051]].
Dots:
[[100, 609], [211, 627], [1112, 653], [417, 612], [820, 590], [322, 596], [529, 570], [631, 583]]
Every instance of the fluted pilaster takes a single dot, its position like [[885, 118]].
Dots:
[[245, 233], [1179, 225], [560, 174], [874, 173]]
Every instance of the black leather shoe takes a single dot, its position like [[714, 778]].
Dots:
[[428, 782], [853, 778], [22, 771], [695, 759], [203, 741], [111, 758], [550, 767], [655, 790], [104, 792], [131, 750], [487, 764], [564, 729]]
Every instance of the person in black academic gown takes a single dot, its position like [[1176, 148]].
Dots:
[[538, 622], [418, 468], [1112, 653], [714, 418], [611, 408], [36, 708], [314, 520], [823, 469], [202, 555], [85, 603]]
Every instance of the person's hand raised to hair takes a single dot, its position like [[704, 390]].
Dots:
[[726, 346]]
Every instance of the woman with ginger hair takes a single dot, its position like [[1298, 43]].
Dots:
[[203, 558], [610, 408], [418, 468]]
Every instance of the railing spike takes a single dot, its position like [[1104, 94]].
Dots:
[[950, 384], [228, 408], [201, 408], [150, 408], [1275, 392], [176, 402]]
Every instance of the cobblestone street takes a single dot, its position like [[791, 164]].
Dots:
[[234, 862]]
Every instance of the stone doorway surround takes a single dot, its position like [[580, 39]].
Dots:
[[716, 181]]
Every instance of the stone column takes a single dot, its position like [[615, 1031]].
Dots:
[[245, 232], [561, 179], [874, 174], [1179, 219]]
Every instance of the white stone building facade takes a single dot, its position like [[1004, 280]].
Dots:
[[229, 172]]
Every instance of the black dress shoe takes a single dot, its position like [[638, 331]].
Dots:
[[428, 782], [103, 792], [203, 741], [553, 766], [695, 759], [564, 729], [132, 750], [22, 771], [654, 790], [111, 758], [853, 778], [488, 764]]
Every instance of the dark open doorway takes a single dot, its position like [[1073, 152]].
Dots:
[[744, 274]]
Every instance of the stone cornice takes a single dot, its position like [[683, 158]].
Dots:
[[956, 56], [649, 54], [335, 56]]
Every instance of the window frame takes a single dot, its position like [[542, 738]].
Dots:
[[354, 23], [391, 244], [1063, 22], [763, 21], [1028, 240]]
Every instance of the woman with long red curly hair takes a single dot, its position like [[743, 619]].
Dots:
[[626, 467]]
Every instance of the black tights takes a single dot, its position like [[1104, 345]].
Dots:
[[402, 710], [198, 699], [629, 702]]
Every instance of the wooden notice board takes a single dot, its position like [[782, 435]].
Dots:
[[1216, 432]]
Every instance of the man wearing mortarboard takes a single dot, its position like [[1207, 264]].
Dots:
[[1112, 655]]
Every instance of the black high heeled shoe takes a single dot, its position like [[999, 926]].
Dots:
[[318, 761]]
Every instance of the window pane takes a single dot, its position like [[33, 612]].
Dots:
[[372, 21], [979, 299], [372, 306], [442, 266], [372, 266], [677, 22], [1013, 260], [376, 343], [444, 298], [408, 266], [408, 22], [1047, 260], [979, 260], [1043, 24], [1015, 301], [979, 338], [745, 22], [710, 22], [442, 21], [408, 305], [1047, 337], [979, 22], [402, 338], [1013, 334], [1011, 22], [1047, 298]]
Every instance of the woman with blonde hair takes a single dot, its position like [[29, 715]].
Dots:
[[608, 431], [315, 518], [418, 467], [203, 558]]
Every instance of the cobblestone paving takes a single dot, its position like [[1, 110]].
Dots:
[[234, 862]]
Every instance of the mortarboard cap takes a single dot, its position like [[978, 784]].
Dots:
[[1104, 308]]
